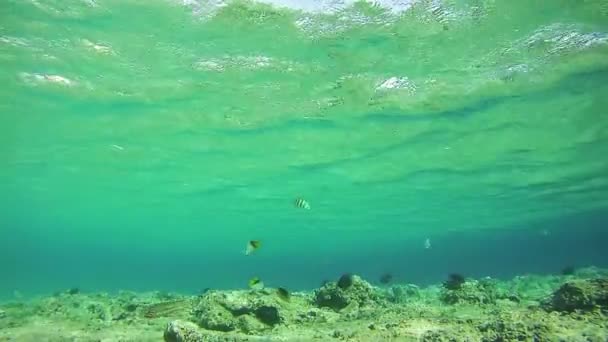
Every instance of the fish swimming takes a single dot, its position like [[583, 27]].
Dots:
[[301, 203], [283, 294], [256, 283], [252, 246], [386, 278]]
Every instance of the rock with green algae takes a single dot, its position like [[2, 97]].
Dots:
[[450, 334], [94, 309], [357, 294], [245, 311], [506, 329], [315, 315], [483, 291], [531, 288], [590, 272], [496, 326], [403, 293], [585, 295], [2, 314], [183, 331], [180, 331]]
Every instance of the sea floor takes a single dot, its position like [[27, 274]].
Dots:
[[570, 307]]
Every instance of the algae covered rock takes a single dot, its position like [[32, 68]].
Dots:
[[501, 329], [99, 310], [484, 291], [581, 295], [247, 311], [350, 290], [180, 331], [590, 272], [403, 293], [448, 335], [95, 309], [315, 315], [438, 336], [2, 314]]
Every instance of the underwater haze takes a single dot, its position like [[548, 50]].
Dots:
[[144, 143]]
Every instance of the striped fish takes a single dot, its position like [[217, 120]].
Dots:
[[177, 308], [301, 203]]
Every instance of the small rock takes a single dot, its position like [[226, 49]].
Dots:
[[2, 314], [268, 315], [315, 315], [131, 307], [180, 331], [249, 324], [99, 311]]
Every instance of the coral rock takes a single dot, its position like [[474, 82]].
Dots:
[[225, 311], [449, 335], [509, 329], [403, 293], [179, 331], [360, 293], [484, 291], [581, 295]]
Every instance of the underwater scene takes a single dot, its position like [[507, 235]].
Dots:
[[304, 170]]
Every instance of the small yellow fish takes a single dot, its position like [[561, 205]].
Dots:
[[252, 246], [301, 203], [256, 283]]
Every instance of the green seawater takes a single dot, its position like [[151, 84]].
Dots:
[[143, 143]]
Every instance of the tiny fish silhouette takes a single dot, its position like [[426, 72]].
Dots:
[[386, 278], [256, 283]]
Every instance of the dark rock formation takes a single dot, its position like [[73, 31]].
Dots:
[[582, 295], [246, 311], [359, 293]]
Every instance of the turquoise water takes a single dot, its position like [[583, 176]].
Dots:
[[144, 143]]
